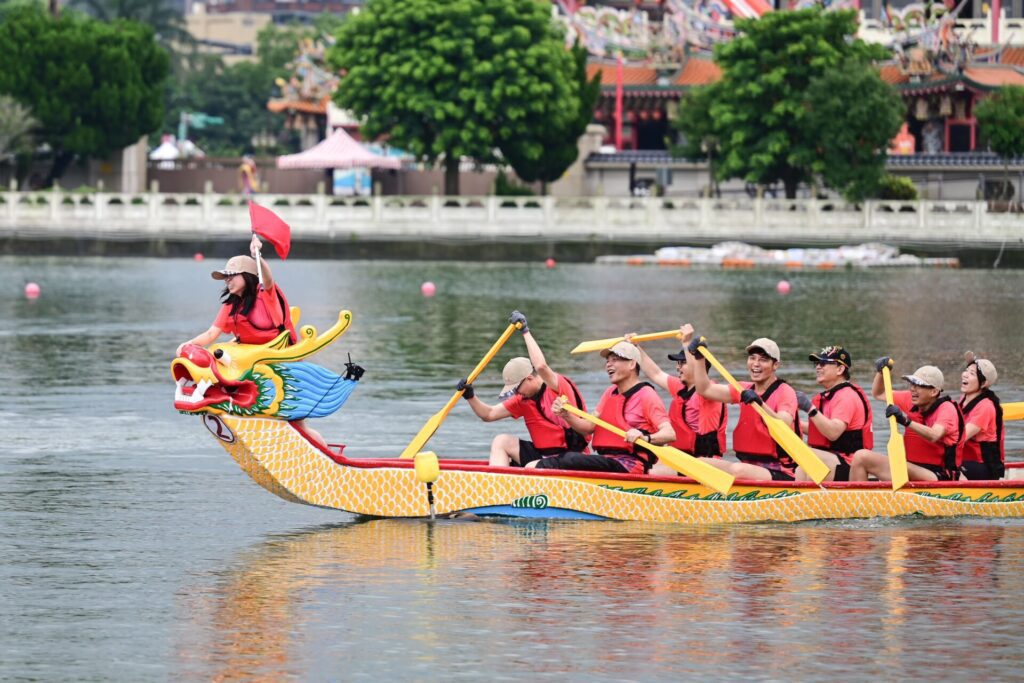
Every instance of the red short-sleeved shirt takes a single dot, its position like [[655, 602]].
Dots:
[[514, 405], [644, 411], [984, 416], [846, 405], [945, 415], [708, 416], [260, 316]]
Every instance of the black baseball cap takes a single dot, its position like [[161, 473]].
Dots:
[[832, 354]]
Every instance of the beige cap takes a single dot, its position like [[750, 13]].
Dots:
[[623, 350], [234, 266], [766, 345], [986, 368], [926, 376], [514, 372]]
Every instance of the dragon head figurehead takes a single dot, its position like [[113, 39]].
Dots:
[[265, 380]]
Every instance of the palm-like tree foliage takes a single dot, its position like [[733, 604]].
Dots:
[[166, 20], [16, 126]]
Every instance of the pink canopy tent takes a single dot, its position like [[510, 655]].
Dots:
[[339, 150]]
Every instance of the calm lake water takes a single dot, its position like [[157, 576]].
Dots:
[[135, 549]]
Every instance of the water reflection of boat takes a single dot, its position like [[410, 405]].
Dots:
[[280, 459]]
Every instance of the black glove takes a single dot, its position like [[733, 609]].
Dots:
[[466, 388], [804, 402], [353, 371], [897, 412], [883, 362], [749, 396], [694, 347], [518, 317]]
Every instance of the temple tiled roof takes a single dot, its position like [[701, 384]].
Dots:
[[300, 106], [698, 72], [631, 75]]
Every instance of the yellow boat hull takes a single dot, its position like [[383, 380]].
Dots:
[[280, 459]]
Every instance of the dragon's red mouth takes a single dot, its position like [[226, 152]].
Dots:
[[192, 396]]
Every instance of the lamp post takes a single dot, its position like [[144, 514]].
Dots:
[[708, 146]]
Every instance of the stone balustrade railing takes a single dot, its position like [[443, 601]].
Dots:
[[654, 219]]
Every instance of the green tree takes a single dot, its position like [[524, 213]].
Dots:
[[238, 93], [165, 19], [446, 79], [559, 147], [94, 87], [852, 132], [1001, 121], [759, 108]]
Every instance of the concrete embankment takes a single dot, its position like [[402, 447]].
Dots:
[[496, 228]]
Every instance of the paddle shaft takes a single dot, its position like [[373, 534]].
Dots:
[[435, 421], [681, 462], [897, 449], [782, 433], [602, 344]]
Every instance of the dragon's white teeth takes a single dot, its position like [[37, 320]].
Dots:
[[200, 390]]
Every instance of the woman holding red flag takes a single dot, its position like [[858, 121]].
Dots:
[[253, 307], [255, 313]]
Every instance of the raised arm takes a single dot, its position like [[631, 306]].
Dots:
[[540, 364], [649, 367], [701, 381], [255, 247], [877, 383]]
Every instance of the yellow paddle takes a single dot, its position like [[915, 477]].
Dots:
[[681, 462], [1013, 411], [897, 451], [602, 344], [434, 422], [779, 430]]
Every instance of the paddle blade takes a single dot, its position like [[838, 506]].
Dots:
[[897, 451], [423, 436], [602, 344], [1013, 411], [695, 468], [897, 457], [794, 445]]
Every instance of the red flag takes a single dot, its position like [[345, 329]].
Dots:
[[270, 227]]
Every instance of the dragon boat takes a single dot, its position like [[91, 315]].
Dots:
[[250, 397]]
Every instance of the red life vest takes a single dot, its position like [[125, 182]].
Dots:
[[613, 411], [992, 453], [850, 441], [247, 333], [921, 451], [688, 440], [549, 434], [751, 437]]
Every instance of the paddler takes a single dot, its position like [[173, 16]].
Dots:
[[629, 404], [933, 425], [982, 445], [839, 417], [531, 386], [759, 456], [699, 423]]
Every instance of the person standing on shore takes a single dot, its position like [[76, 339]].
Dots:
[[759, 456], [838, 418], [699, 423], [629, 404], [983, 448], [531, 386], [248, 180], [933, 425]]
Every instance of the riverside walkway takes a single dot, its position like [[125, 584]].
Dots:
[[607, 224]]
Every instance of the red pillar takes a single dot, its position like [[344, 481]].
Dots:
[[618, 104], [997, 10]]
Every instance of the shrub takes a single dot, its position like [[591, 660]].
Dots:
[[503, 187], [896, 187]]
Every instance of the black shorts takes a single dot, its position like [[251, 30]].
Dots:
[[940, 472], [528, 453], [763, 461], [842, 472], [589, 462], [979, 471]]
